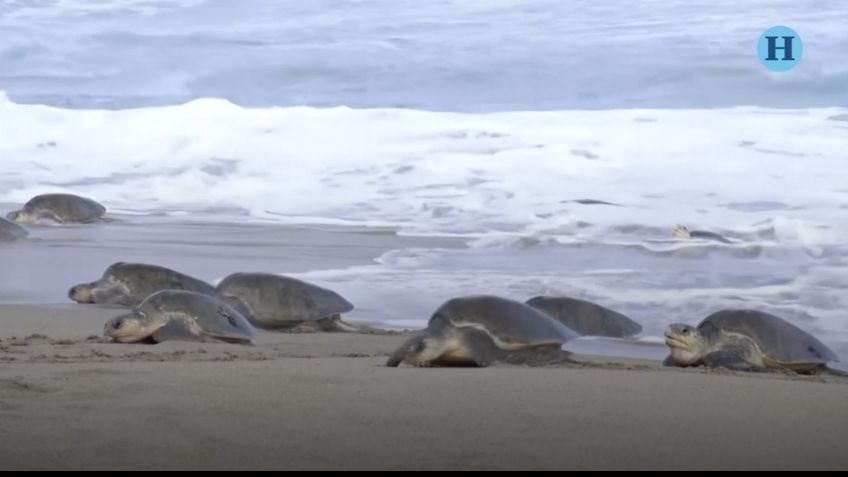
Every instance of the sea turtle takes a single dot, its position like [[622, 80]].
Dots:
[[585, 317], [10, 231], [179, 315], [60, 208], [747, 340], [682, 232], [483, 329], [286, 304], [129, 283]]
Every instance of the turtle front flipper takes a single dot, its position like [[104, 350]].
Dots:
[[410, 352], [397, 357], [239, 305], [177, 330], [481, 348], [731, 360], [49, 215]]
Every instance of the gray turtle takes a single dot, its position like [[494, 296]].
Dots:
[[586, 318], [285, 303], [129, 283], [10, 231], [59, 208], [483, 329], [683, 232], [178, 315], [747, 340]]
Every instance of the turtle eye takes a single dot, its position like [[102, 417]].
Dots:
[[685, 330], [118, 324]]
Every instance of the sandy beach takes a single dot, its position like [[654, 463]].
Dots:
[[325, 401]]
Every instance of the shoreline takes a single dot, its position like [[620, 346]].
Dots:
[[56, 258]]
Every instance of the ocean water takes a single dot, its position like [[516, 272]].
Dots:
[[561, 139], [448, 55]]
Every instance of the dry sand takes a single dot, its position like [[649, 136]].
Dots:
[[324, 401]]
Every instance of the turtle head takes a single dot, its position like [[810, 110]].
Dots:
[[680, 231], [686, 344], [21, 217], [106, 290], [82, 293], [129, 328], [420, 350]]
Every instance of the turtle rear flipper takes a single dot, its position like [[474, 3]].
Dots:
[[396, 358], [825, 371], [552, 355], [335, 323]]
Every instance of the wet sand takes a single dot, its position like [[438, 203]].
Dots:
[[42, 269]]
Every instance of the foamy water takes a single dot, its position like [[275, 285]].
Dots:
[[764, 174]]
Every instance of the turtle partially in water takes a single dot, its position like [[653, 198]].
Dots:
[[585, 317], [747, 340], [58, 208], [128, 284], [287, 304], [481, 330], [683, 232]]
